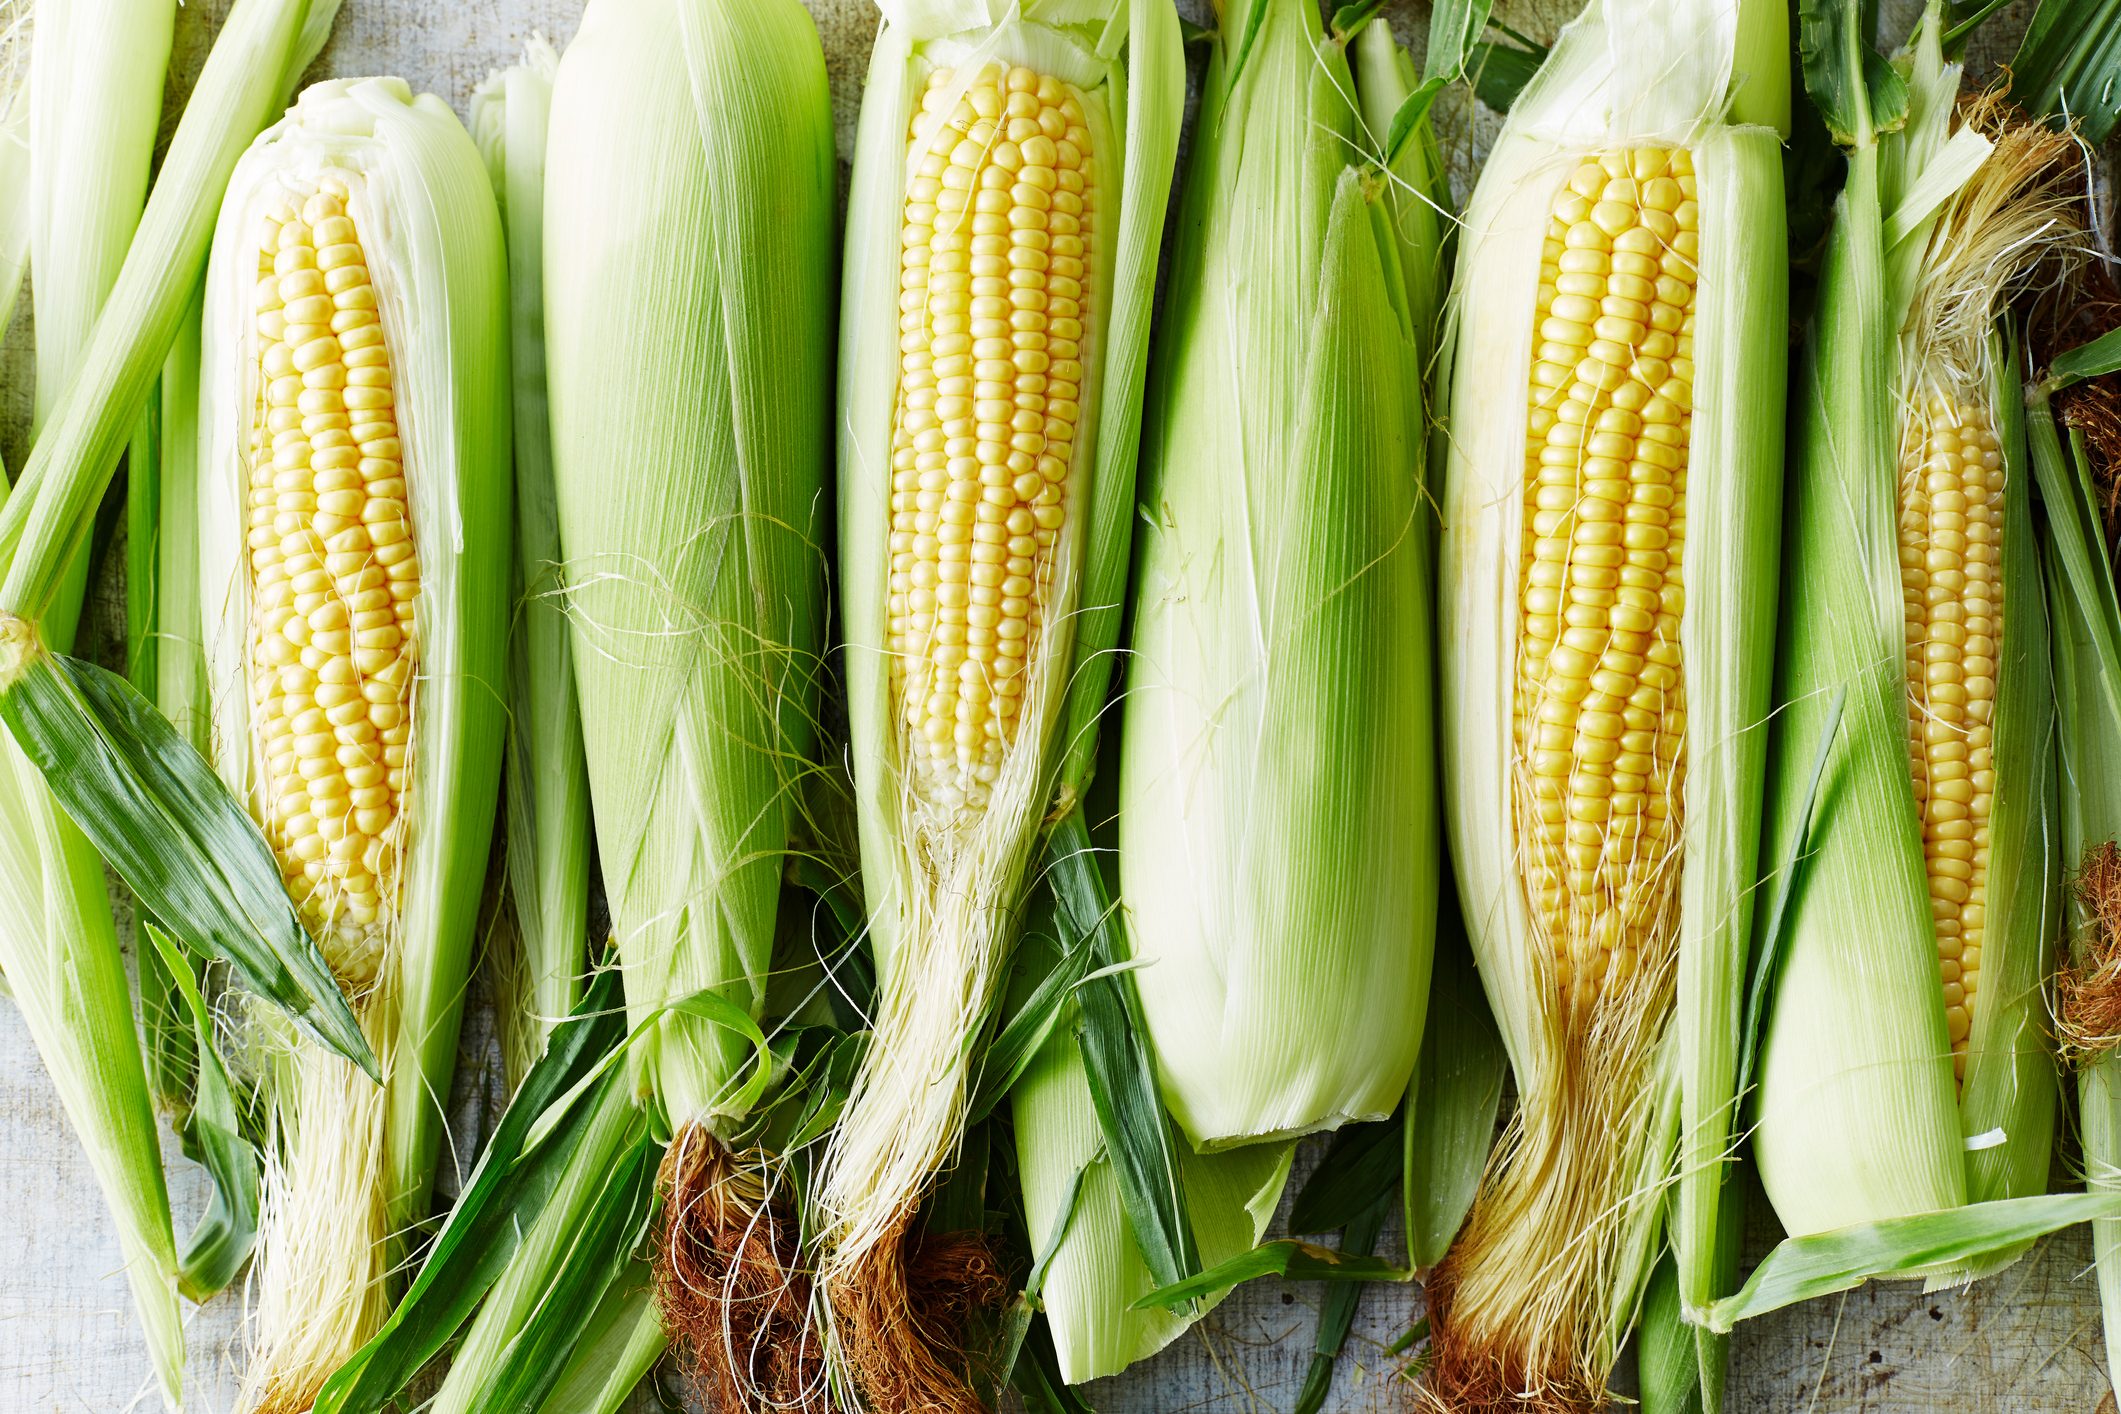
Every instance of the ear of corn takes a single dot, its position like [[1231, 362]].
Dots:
[[1282, 618], [1010, 176], [689, 469], [1913, 582], [548, 786], [354, 502], [1611, 512]]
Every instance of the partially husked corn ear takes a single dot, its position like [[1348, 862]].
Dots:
[[994, 329], [1951, 548], [353, 552], [1601, 700], [1608, 663], [1010, 180], [1919, 930], [335, 573]]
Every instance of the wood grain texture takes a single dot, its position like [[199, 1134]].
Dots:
[[2026, 1342]]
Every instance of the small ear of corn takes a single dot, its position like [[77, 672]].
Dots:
[[354, 545], [1930, 873]]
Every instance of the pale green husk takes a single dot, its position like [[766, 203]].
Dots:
[[78, 145], [1277, 809], [1860, 1116], [1564, 1230], [941, 895], [351, 1166], [688, 289], [547, 779], [1093, 1272]]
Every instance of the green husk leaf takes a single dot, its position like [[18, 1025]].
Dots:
[[213, 1138], [1501, 71], [1800, 1268], [1456, 1095], [1287, 1258], [509, 1188], [1455, 27], [1120, 1065], [1854, 89], [1038, 1379], [1019, 1040], [1669, 1370], [621, 1343], [1336, 1315], [2095, 359], [1360, 1170], [155, 810], [65, 974], [599, 1247], [1348, 20], [1774, 932], [2069, 63], [707, 1005]]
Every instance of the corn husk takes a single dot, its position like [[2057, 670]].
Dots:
[[941, 894], [1860, 1116], [351, 1165], [688, 320], [1282, 618], [547, 779], [1565, 1227]]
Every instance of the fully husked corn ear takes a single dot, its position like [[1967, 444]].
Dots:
[[1601, 700], [993, 320], [334, 574], [1951, 548]]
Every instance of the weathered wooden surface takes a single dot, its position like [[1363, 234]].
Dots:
[[2026, 1342]]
